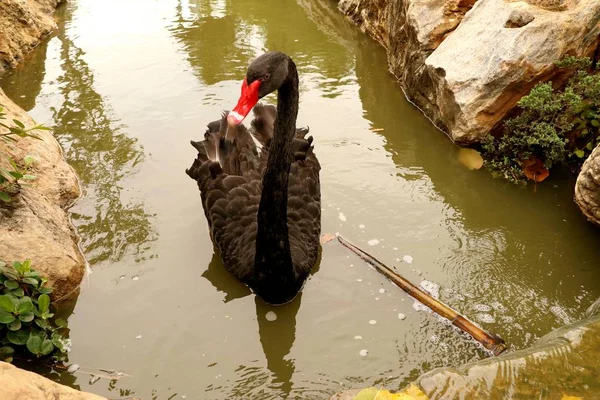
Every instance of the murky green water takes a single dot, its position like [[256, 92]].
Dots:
[[126, 84]]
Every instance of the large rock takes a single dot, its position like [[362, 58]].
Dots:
[[587, 188], [23, 23], [466, 63], [35, 225], [17, 384], [562, 363]]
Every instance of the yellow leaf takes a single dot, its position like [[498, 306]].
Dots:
[[565, 397], [410, 393], [470, 158]]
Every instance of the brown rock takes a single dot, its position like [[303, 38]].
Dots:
[[23, 23], [17, 384], [587, 187], [467, 63], [35, 225]]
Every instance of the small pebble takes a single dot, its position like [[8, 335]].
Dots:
[[271, 316], [372, 322], [363, 352], [401, 316]]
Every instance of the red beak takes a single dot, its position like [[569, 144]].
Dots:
[[248, 99]]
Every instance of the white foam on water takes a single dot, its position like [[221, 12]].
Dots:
[[373, 242]]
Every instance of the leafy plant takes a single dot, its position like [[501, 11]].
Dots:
[[11, 179], [553, 127], [26, 323]]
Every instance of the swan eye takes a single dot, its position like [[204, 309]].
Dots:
[[266, 77]]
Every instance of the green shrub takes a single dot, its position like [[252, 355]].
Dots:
[[552, 127], [26, 323], [11, 179]]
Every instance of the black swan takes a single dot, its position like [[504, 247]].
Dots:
[[263, 211]]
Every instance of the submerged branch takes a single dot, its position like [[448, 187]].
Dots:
[[490, 341]]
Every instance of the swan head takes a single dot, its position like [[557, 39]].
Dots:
[[265, 75]]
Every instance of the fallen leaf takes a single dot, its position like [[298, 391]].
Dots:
[[470, 158], [534, 169], [327, 237], [411, 393]]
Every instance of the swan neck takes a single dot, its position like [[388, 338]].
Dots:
[[273, 254]]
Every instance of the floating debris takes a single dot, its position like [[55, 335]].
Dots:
[[359, 280], [382, 290], [358, 337], [363, 352], [73, 368], [485, 317], [432, 288], [342, 217], [407, 259], [94, 379], [271, 316], [361, 226], [373, 242], [470, 158], [482, 307], [327, 237], [372, 322], [138, 337], [135, 278], [401, 316]]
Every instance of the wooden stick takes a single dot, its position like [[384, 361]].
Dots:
[[490, 341]]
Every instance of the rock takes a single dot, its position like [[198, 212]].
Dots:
[[17, 384], [35, 225], [587, 187], [466, 63], [23, 23], [564, 361]]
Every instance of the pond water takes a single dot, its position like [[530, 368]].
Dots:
[[126, 84]]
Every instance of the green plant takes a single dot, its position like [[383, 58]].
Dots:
[[552, 127], [26, 323], [10, 179]]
